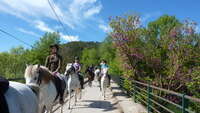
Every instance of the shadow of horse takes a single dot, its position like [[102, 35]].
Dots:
[[104, 105]]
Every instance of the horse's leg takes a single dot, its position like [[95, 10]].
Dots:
[[104, 93], [69, 98], [49, 108], [80, 93], [41, 109], [75, 96], [61, 110]]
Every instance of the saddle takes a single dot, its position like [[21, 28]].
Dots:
[[4, 85], [60, 86]]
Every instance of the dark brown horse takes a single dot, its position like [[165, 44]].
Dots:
[[90, 74]]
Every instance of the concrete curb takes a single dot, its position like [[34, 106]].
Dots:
[[127, 105]]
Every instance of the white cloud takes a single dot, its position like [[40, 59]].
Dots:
[[42, 26], [73, 13], [105, 28], [92, 11], [28, 32], [69, 38]]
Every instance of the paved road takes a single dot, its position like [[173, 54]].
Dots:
[[92, 102]]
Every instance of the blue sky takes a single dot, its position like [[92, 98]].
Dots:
[[85, 20]]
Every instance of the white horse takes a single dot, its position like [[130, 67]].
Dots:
[[97, 73], [40, 75], [73, 83], [21, 98], [104, 82]]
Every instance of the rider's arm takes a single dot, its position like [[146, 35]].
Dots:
[[59, 64], [79, 69]]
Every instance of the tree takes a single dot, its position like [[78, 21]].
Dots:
[[90, 57], [40, 51]]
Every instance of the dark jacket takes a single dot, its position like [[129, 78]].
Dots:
[[53, 62]]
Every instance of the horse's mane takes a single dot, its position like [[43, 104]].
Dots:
[[44, 71]]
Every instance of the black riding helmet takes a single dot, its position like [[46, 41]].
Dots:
[[54, 45], [76, 58]]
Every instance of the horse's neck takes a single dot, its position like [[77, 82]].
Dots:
[[104, 75], [73, 76]]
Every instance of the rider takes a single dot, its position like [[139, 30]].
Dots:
[[90, 71], [54, 60], [77, 67], [104, 69], [53, 63], [4, 85]]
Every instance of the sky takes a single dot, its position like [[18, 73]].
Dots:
[[83, 20]]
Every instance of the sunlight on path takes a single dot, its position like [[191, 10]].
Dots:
[[92, 102]]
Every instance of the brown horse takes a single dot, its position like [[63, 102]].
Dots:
[[90, 74]]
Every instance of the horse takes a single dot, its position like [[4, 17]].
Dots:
[[73, 82], [90, 74], [97, 73], [22, 98], [104, 81], [41, 76]]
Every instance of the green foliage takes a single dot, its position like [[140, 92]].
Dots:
[[69, 50], [167, 52], [105, 50], [12, 64], [38, 53], [89, 57]]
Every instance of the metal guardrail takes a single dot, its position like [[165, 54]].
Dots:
[[143, 92], [15, 79]]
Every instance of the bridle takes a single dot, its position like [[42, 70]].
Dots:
[[70, 70]]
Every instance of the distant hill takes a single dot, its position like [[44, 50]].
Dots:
[[69, 50]]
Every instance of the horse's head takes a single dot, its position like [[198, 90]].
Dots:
[[69, 69], [36, 74]]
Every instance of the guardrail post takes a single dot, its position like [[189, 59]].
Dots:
[[184, 104], [121, 82], [134, 91], [149, 90]]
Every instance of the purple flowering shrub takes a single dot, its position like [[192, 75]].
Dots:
[[166, 52]]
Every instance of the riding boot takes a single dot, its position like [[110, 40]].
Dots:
[[61, 101], [63, 86], [109, 78], [81, 80]]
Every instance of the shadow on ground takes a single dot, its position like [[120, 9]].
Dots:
[[104, 105]]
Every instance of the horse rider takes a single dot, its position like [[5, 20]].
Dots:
[[77, 67], [104, 70], [4, 85], [54, 60], [90, 71], [53, 63]]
